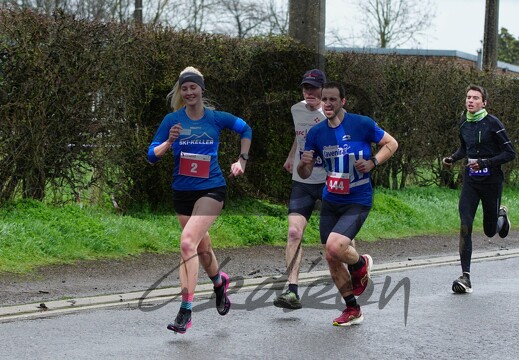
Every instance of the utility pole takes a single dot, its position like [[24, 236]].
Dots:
[[307, 23], [491, 35], [137, 15]]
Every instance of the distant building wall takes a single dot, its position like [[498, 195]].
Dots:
[[471, 61]]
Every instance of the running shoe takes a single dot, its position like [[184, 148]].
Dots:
[[462, 285], [360, 278], [223, 304], [505, 228], [352, 315], [182, 322], [288, 300]]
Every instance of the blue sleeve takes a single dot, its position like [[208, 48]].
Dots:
[[379, 134], [161, 135], [236, 124]]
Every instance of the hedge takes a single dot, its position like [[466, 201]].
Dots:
[[80, 102]]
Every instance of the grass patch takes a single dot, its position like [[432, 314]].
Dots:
[[413, 212], [33, 234]]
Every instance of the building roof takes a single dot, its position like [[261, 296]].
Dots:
[[477, 59]]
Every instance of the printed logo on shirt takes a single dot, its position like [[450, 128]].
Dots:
[[335, 151], [203, 139], [346, 137]]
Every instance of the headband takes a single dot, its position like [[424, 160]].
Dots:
[[191, 77]]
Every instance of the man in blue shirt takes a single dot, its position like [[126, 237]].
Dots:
[[344, 142]]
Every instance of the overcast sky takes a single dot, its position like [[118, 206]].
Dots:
[[458, 24]]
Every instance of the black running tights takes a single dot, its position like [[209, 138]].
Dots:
[[471, 194]]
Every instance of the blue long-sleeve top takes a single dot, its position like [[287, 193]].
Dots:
[[196, 149]]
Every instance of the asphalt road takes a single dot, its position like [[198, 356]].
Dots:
[[409, 314]]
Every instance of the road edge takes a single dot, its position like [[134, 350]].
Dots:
[[149, 296]]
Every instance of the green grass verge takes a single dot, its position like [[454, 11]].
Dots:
[[33, 234]]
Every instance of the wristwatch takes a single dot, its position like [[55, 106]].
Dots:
[[244, 156], [375, 161]]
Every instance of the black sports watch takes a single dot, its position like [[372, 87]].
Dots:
[[375, 161], [244, 156]]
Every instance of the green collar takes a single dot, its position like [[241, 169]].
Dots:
[[476, 116]]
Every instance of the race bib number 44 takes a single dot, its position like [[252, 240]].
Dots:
[[194, 165], [338, 183]]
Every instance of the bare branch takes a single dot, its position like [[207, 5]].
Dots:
[[393, 23]]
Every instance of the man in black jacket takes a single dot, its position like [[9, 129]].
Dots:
[[486, 146]]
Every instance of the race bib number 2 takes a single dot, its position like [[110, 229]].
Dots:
[[194, 165], [338, 183]]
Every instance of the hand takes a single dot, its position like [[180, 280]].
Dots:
[[478, 164], [238, 168], [473, 165], [289, 165], [174, 133], [307, 157], [364, 166], [483, 163], [448, 161]]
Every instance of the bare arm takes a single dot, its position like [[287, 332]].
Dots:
[[289, 162], [387, 147], [306, 165], [238, 168]]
